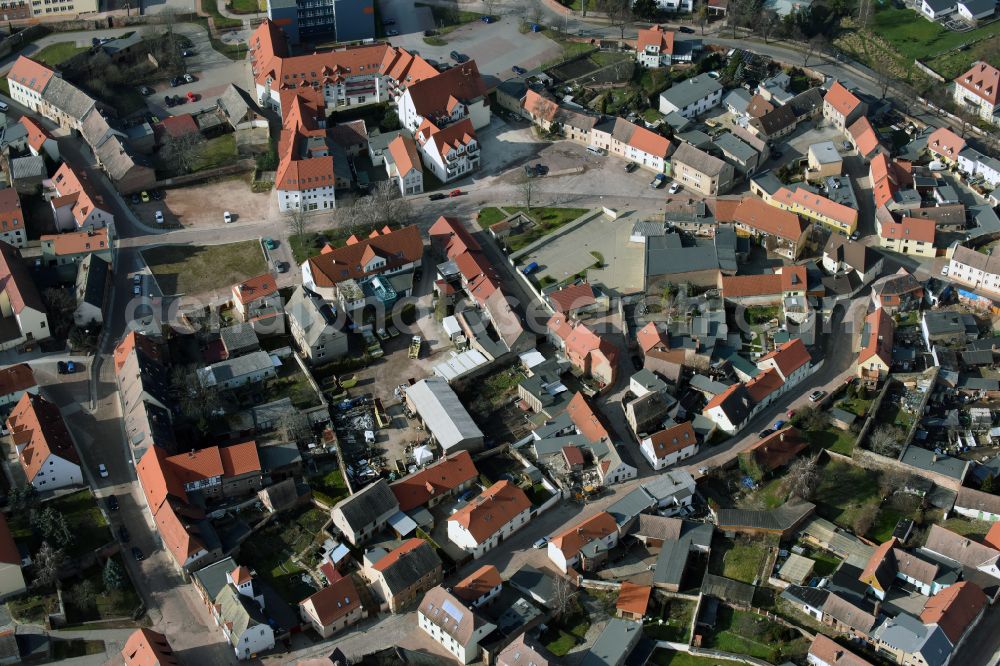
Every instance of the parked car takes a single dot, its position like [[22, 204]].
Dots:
[[135, 198], [156, 194], [488, 19], [703, 470], [541, 170], [816, 395], [856, 235], [61, 367], [686, 30], [145, 91], [456, 56], [112, 501], [192, 97], [168, 100], [430, 33], [455, 193], [675, 187], [541, 543], [137, 553], [779, 424], [530, 268], [178, 100], [535, 27], [520, 71], [630, 167], [764, 433], [137, 290], [437, 196], [282, 266], [189, 79], [73, 366], [529, 171], [145, 196], [159, 217], [944, 271], [137, 278], [659, 180], [103, 471], [123, 534], [176, 81], [392, 32], [187, 53], [227, 216], [270, 244]]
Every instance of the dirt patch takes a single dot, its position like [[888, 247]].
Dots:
[[204, 205], [185, 269]]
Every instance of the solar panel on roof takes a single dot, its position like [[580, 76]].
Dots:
[[454, 611]]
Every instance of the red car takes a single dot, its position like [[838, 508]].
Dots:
[[455, 193], [191, 96]]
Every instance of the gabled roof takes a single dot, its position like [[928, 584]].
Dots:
[[743, 286], [841, 99], [831, 653], [410, 562], [443, 476], [858, 256], [776, 120], [757, 214], [76, 190], [146, 647], [778, 449], [30, 74], [398, 247], [451, 236], [598, 526], [651, 337], [788, 357], [962, 549], [655, 36], [881, 567], [572, 298], [633, 598], [909, 228], [759, 106], [864, 136], [447, 612], [16, 378], [37, 135], [734, 402], [334, 601], [367, 504], [404, 155], [672, 439], [876, 337], [157, 479], [955, 609], [817, 204], [37, 425], [450, 138], [79, 242], [485, 515], [16, 282], [477, 584], [432, 97], [764, 384], [240, 459], [946, 143], [983, 80], [585, 419]]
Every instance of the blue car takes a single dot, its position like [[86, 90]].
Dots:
[[535, 27], [520, 71], [778, 425], [488, 19], [530, 268]]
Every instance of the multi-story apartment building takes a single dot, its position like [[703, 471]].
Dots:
[[703, 173], [978, 90]]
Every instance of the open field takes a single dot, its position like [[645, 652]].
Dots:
[[53, 54], [184, 269]]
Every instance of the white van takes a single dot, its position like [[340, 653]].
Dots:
[[3, 106], [595, 150]]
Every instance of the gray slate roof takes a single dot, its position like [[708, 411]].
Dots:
[[631, 505], [68, 98], [443, 413], [91, 279], [418, 563], [30, 166], [312, 314], [364, 506], [614, 644], [239, 337], [734, 147], [673, 558], [689, 91], [779, 519], [909, 635]]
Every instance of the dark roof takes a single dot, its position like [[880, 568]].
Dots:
[[811, 596], [537, 583], [806, 102], [91, 280], [363, 506], [673, 558], [779, 519], [413, 565], [775, 121], [727, 589]]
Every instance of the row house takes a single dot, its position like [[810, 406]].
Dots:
[[334, 608], [544, 111], [909, 235], [237, 607], [218, 472], [669, 446], [23, 317], [780, 231], [400, 577], [12, 229], [588, 352], [448, 477], [72, 247], [306, 178], [975, 269], [362, 515], [459, 629], [44, 447], [813, 206], [454, 95], [841, 107], [631, 142], [875, 347], [584, 545], [702, 172], [77, 204], [15, 381], [402, 163], [692, 97]]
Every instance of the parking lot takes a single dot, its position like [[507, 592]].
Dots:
[[198, 206]]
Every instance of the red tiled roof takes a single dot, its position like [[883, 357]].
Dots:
[[37, 135], [435, 96], [983, 80], [909, 228], [656, 36], [789, 357], [399, 247], [157, 479], [649, 142], [239, 459], [955, 609], [759, 106], [673, 439], [450, 138], [778, 449], [742, 286], [130, 343], [879, 343], [30, 74], [793, 278], [451, 236], [16, 282], [146, 647], [841, 99], [196, 465], [334, 601], [540, 106], [633, 599], [478, 583], [404, 154], [79, 242], [178, 126], [75, 190], [10, 209], [865, 138], [390, 559], [829, 652], [585, 419], [992, 537], [598, 526], [240, 575], [871, 572], [818, 204], [573, 297], [485, 515], [38, 426], [9, 554], [573, 455], [178, 539], [946, 143], [443, 476], [16, 378], [650, 337], [757, 214], [764, 385]]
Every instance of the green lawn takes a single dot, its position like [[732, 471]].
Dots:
[[856, 406], [106, 604], [895, 415], [272, 552], [651, 115], [743, 632], [186, 269], [662, 657], [744, 561], [90, 530], [974, 529], [217, 152], [676, 615], [570, 49], [295, 387], [211, 8], [761, 314], [843, 490], [489, 216], [330, 488], [495, 390], [53, 54], [838, 441], [916, 37], [5, 87], [546, 220], [654, 81], [309, 244], [770, 494], [434, 40], [825, 565], [447, 19], [247, 6], [33, 609], [565, 633], [605, 58]]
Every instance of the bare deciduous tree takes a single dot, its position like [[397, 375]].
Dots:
[[865, 518], [526, 186], [886, 440], [766, 24], [182, 151], [890, 482], [563, 597], [803, 477], [814, 46], [294, 426], [297, 221], [48, 561], [619, 13]]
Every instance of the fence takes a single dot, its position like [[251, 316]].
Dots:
[[240, 166], [928, 71]]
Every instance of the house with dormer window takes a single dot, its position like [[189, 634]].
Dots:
[[450, 153], [456, 94], [978, 91], [655, 47]]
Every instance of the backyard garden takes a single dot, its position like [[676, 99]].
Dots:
[[281, 552], [744, 632]]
